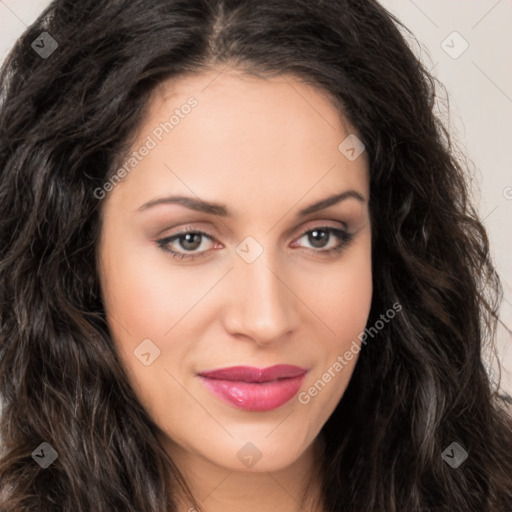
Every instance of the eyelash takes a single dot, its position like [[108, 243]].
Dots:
[[344, 236]]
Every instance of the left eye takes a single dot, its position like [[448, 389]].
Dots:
[[318, 238], [190, 241]]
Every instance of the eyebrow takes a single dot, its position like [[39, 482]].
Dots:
[[221, 210]]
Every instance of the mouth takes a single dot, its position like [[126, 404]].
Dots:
[[254, 389]]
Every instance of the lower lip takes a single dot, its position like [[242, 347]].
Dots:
[[256, 397]]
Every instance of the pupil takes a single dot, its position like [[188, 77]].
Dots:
[[317, 237], [189, 242]]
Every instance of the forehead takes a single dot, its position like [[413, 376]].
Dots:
[[244, 137], [229, 100]]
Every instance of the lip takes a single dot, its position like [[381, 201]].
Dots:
[[255, 389]]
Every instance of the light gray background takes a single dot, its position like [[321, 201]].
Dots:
[[479, 85]]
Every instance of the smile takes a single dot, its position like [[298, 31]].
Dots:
[[254, 389]]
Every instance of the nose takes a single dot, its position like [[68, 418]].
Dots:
[[262, 306]]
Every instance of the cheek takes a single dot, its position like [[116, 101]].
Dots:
[[342, 296], [342, 305], [143, 302], [146, 298], [143, 295]]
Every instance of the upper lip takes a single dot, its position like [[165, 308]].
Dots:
[[252, 374]]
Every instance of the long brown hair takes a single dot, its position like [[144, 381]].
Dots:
[[67, 116]]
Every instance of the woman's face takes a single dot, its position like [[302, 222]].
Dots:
[[273, 281]]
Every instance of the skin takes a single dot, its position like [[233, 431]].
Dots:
[[265, 149]]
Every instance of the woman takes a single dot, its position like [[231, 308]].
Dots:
[[239, 268]]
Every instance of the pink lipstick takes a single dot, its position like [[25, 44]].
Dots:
[[255, 389]]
